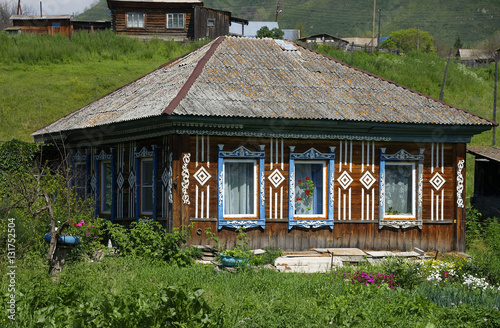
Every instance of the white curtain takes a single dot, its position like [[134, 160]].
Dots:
[[239, 188], [398, 189]]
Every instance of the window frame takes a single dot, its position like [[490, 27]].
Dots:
[[254, 213], [80, 190], [139, 155], [103, 190], [139, 13], [142, 186], [170, 17], [413, 213], [97, 181], [402, 157], [241, 154], [312, 221], [79, 159], [324, 186]]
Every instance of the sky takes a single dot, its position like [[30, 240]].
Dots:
[[57, 7]]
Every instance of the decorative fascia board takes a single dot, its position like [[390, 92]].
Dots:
[[400, 224], [245, 224]]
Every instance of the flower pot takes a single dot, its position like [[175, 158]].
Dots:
[[232, 261], [66, 240]]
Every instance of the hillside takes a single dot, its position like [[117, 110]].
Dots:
[[473, 20]]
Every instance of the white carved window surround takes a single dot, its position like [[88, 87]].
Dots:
[[400, 189], [241, 180], [311, 188]]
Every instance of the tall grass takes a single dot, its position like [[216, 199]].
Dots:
[[33, 49]]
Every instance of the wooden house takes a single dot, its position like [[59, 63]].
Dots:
[[486, 180], [298, 148], [43, 24], [169, 19]]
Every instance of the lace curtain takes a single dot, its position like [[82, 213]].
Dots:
[[309, 189], [239, 188], [398, 189]]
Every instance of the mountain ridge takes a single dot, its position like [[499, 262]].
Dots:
[[474, 20]]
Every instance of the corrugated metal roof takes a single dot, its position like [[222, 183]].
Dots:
[[485, 151], [38, 17], [259, 78]]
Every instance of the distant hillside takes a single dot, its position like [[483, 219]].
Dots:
[[98, 12], [473, 20]]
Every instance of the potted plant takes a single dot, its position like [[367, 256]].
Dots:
[[234, 257]]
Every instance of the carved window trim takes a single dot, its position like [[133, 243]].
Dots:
[[403, 157], [232, 221], [314, 156]]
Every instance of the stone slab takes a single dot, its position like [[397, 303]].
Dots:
[[380, 253], [258, 251], [346, 252], [406, 254], [306, 264]]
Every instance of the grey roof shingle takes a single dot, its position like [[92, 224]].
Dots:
[[258, 78]]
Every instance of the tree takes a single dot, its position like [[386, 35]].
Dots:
[[406, 40], [458, 43], [265, 32], [39, 195], [9, 8]]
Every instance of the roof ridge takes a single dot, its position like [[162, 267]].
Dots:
[[194, 75]]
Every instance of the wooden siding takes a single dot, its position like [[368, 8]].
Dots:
[[155, 20], [45, 27], [221, 21], [356, 217], [192, 195]]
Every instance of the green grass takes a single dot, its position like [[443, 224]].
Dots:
[[44, 78], [94, 291]]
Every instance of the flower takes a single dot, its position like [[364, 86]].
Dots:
[[308, 191], [300, 182], [307, 178]]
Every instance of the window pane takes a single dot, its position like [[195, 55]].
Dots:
[[105, 187], [309, 193], [135, 19], [175, 20], [398, 189], [80, 180], [147, 186], [239, 188]]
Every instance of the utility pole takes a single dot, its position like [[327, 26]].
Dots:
[[418, 40], [445, 73], [495, 98], [19, 9], [378, 37], [277, 9], [373, 23]]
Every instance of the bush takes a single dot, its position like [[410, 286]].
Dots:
[[147, 239]]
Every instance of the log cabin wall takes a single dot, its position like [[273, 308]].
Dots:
[[356, 195], [186, 190], [43, 26], [155, 20], [210, 23]]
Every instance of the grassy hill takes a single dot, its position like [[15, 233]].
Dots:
[[473, 20]]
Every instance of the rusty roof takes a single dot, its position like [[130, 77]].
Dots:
[[485, 151], [236, 77]]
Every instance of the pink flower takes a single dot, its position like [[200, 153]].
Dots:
[[87, 233]]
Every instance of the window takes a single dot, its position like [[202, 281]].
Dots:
[[310, 189], [135, 19], [146, 184], [175, 20], [241, 180], [240, 184], [210, 22], [105, 187], [400, 189], [80, 179]]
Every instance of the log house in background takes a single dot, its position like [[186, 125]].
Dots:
[[170, 20], [298, 148]]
